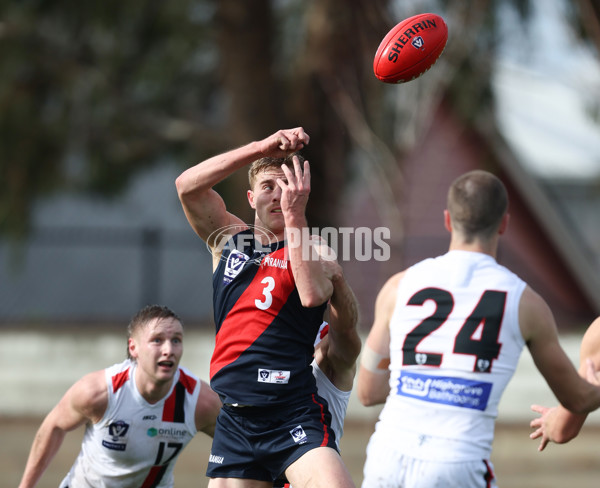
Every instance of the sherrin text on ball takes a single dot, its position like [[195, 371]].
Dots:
[[410, 48]]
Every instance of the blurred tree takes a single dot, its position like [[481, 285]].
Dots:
[[94, 91], [296, 61]]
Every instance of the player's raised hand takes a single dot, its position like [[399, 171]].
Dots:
[[284, 142], [296, 188]]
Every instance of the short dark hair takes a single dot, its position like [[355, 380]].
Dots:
[[267, 163], [145, 315], [477, 202]]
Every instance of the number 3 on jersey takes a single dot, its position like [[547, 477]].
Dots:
[[264, 304], [488, 314]]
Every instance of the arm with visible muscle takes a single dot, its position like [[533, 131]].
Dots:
[[558, 424], [84, 402], [373, 377], [337, 356]]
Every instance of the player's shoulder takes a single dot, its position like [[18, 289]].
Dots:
[[392, 283], [535, 314], [90, 382], [389, 291], [532, 302], [90, 394], [395, 279]]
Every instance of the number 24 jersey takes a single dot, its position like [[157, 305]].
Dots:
[[455, 342]]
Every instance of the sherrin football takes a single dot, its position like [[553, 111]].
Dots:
[[410, 48]]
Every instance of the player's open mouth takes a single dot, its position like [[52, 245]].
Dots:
[[166, 364], [276, 210]]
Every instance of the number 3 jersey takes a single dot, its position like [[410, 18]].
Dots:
[[455, 342], [136, 444], [264, 336]]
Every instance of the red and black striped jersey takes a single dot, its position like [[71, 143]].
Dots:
[[136, 443], [264, 336]]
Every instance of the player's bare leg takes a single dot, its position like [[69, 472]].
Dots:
[[319, 468], [237, 483]]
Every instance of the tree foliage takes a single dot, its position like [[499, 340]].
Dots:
[[93, 91]]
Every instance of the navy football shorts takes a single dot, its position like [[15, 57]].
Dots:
[[259, 443]]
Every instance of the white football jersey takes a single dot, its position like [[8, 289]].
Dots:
[[455, 342], [136, 444], [336, 399]]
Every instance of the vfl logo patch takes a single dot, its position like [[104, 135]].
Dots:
[[235, 263], [273, 376], [116, 436], [418, 42], [457, 392], [299, 435]]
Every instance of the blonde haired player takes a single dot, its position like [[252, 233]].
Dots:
[[268, 303], [138, 414]]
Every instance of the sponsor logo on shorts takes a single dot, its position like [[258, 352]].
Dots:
[[215, 459], [273, 376], [116, 435], [458, 392], [299, 435]]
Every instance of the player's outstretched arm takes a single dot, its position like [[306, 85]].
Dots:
[[85, 401], [344, 342], [208, 407], [203, 207], [373, 377], [558, 424], [337, 356], [541, 335]]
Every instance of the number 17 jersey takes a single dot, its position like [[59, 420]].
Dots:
[[455, 342]]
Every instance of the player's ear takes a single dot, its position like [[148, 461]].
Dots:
[[250, 195], [447, 221], [131, 348]]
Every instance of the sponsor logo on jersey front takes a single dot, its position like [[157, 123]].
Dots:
[[273, 376], [235, 263], [298, 435], [115, 437], [166, 432], [458, 392], [274, 262]]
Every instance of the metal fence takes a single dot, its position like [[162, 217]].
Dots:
[[79, 274]]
